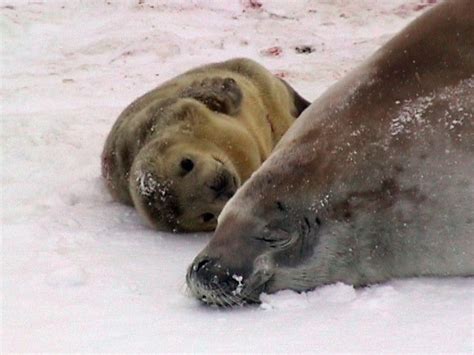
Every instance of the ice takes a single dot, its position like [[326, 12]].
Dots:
[[81, 273]]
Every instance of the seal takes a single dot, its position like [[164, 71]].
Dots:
[[373, 182], [179, 152]]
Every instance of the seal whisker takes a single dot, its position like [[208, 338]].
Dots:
[[222, 298]]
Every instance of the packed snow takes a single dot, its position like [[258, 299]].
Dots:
[[81, 273]]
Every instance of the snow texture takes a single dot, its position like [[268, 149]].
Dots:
[[81, 273]]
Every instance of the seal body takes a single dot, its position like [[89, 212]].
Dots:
[[375, 181], [179, 152]]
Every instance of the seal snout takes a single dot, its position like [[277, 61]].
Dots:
[[221, 276], [212, 283], [224, 184], [209, 273]]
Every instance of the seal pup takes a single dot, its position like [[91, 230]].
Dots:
[[179, 152], [373, 182]]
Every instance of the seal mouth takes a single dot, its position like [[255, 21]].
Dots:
[[236, 292]]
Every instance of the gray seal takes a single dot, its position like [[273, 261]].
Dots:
[[375, 181]]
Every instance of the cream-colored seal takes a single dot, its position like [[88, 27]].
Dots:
[[373, 182], [182, 150]]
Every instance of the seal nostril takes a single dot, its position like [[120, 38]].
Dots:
[[201, 264], [318, 221]]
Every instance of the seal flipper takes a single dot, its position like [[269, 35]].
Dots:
[[218, 94], [300, 103]]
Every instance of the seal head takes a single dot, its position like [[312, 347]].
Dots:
[[181, 151]]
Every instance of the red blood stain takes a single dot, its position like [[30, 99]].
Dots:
[[281, 74], [405, 9], [272, 51], [424, 4]]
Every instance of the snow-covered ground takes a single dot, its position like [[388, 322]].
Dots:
[[82, 273]]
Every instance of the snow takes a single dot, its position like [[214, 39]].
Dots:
[[411, 115], [81, 273]]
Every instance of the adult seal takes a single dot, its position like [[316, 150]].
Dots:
[[179, 152], [373, 182]]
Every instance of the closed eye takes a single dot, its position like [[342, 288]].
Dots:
[[275, 237], [266, 240]]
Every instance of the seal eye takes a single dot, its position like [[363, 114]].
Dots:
[[206, 217], [187, 165], [276, 237]]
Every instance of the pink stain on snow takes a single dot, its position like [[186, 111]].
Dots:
[[275, 51]]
